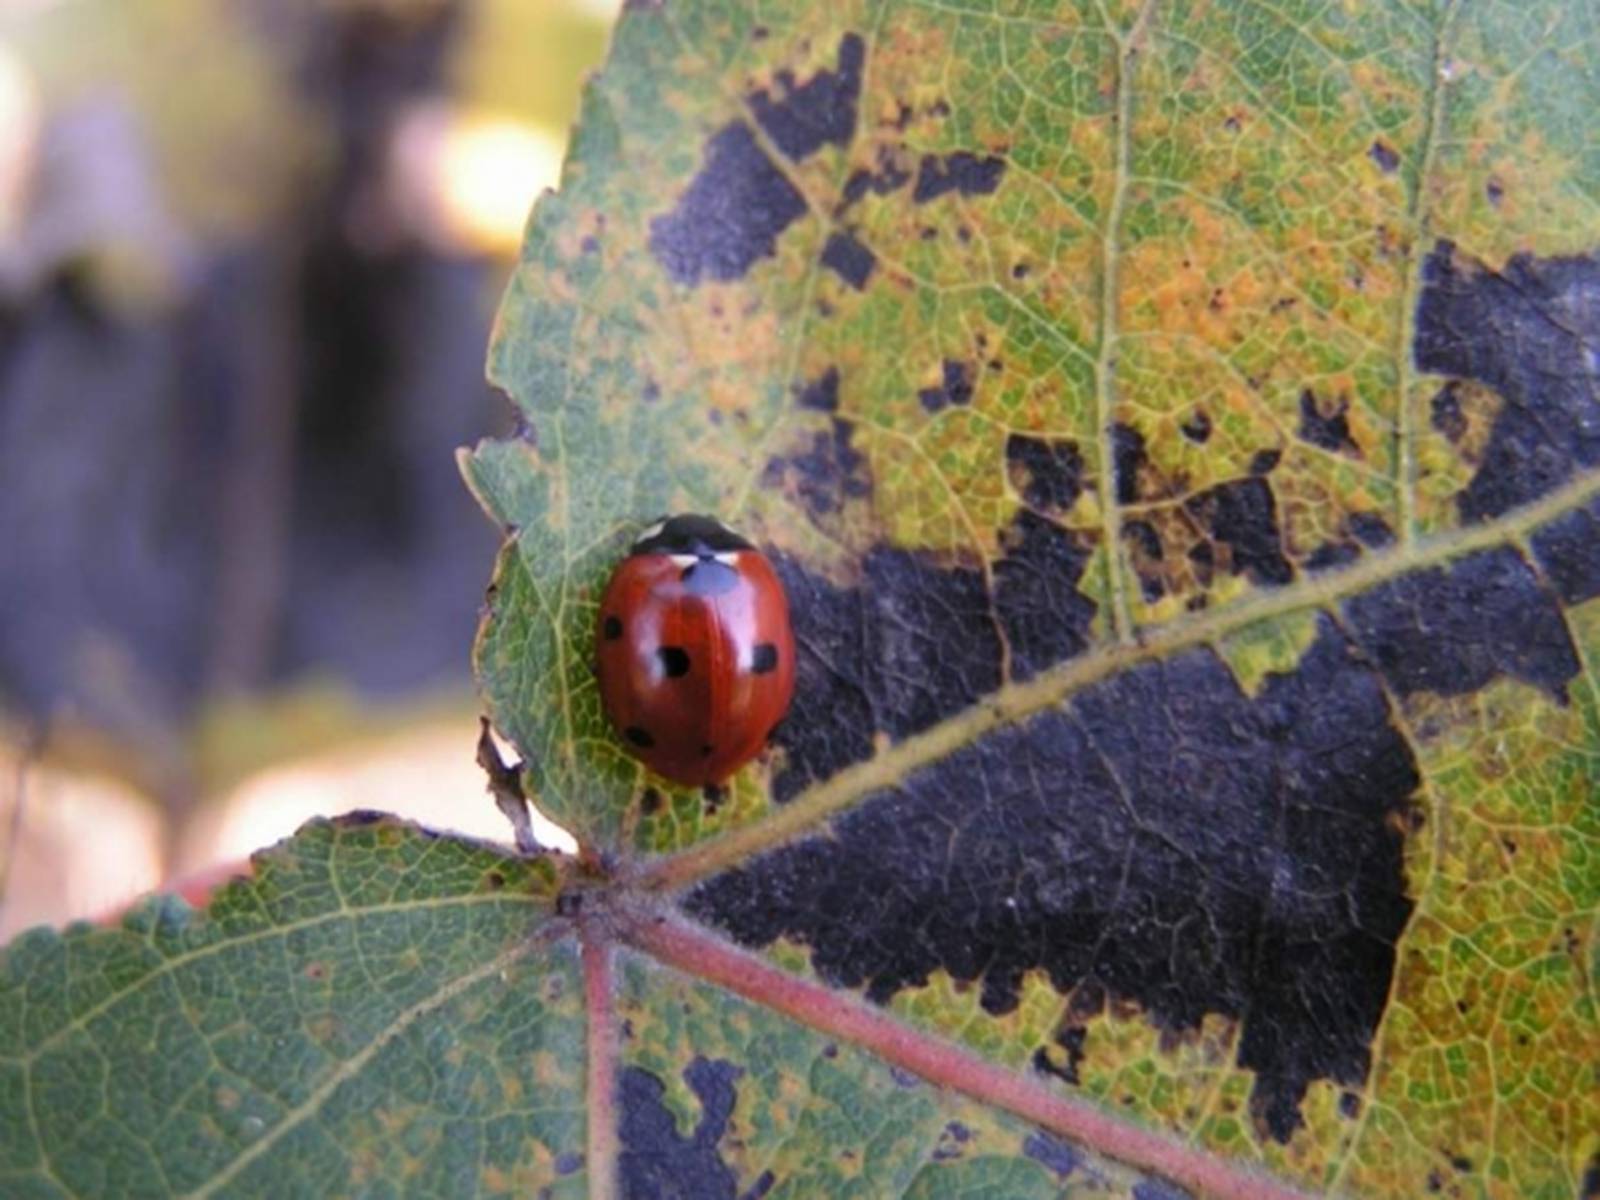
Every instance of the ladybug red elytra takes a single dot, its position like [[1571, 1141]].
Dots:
[[696, 657]]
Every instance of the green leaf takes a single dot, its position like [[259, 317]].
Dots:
[[373, 1010]]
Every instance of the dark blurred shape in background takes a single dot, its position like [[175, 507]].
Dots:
[[249, 254]]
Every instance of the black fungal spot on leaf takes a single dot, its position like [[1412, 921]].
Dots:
[[1151, 1189], [1163, 838], [1048, 472], [955, 387], [821, 393], [1243, 515], [915, 641], [657, 1161], [1332, 554], [823, 109], [1264, 462], [1045, 617], [849, 259], [1071, 1040], [1447, 416], [731, 214], [1590, 1187], [826, 474], [1197, 428], [1370, 529], [961, 172], [1451, 630], [1128, 457], [1568, 549], [911, 643], [889, 177], [1051, 1152], [1383, 154], [1530, 332], [1144, 543], [1328, 429]]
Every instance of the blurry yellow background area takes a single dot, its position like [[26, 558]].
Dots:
[[250, 251]]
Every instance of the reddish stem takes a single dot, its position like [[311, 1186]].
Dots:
[[604, 1148], [850, 1019]]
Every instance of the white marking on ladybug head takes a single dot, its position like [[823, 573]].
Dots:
[[653, 531], [728, 558], [684, 560]]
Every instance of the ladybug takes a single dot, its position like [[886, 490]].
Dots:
[[696, 657]]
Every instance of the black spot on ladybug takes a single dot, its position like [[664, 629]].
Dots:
[[849, 259], [823, 109], [1197, 428], [1048, 472], [955, 387], [1265, 461], [708, 577], [613, 628], [1371, 530], [821, 393], [638, 737], [961, 172], [1568, 549], [1529, 331], [707, 750], [1117, 856], [731, 214], [674, 661], [764, 658], [1383, 154], [1243, 514], [1330, 430], [1127, 458], [831, 472], [658, 1160], [1450, 630]]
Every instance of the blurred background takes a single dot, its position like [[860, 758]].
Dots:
[[249, 255]]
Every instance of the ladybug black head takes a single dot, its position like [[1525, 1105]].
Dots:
[[689, 533]]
